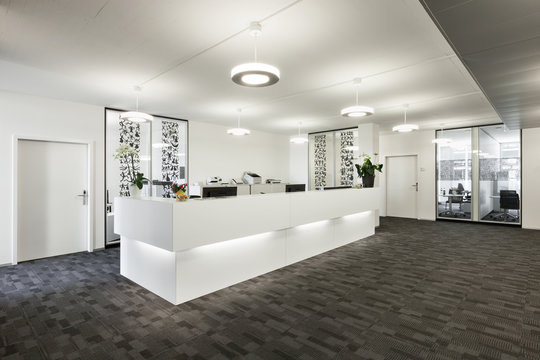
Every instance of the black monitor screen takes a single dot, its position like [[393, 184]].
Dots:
[[216, 191], [295, 187]]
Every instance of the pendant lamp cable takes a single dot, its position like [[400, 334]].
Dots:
[[255, 46], [405, 108], [238, 122]]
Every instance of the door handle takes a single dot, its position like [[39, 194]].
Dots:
[[415, 186], [84, 196]]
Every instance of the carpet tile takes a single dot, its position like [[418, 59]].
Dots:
[[414, 290]]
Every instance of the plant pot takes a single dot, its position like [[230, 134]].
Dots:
[[135, 192], [368, 181]]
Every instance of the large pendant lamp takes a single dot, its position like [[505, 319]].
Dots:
[[299, 139], [255, 74], [136, 116], [238, 131], [357, 110], [405, 127]]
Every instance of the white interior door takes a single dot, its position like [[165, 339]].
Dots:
[[401, 186], [52, 216]]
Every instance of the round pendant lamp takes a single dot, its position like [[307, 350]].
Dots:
[[136, 116], [299, 139], [405, 127], [357, 110], [238, 131], [255, 74]]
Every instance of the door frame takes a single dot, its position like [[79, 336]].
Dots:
[[387, 177], [14, 187]]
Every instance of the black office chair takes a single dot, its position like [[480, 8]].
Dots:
[[509, 200], [457, 199]]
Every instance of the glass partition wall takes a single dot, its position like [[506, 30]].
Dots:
[[161, 147], [454, 172], [479, 174], [500, 174]]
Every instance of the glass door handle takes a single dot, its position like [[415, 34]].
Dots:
[[415, 186]]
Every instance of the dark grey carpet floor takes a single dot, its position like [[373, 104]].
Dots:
[[415, 290]]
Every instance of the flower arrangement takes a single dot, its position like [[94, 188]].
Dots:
[[127, 153], [180, 191]]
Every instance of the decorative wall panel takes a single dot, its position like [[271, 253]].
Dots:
[[332, 156], [320, 160], [129, 134], [346, 155]]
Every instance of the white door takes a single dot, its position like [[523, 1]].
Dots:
[[52, 216], [401, 186]]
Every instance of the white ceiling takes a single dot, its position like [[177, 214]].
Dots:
[[182, 52]]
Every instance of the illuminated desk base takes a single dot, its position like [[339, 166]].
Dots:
[[181, 274]]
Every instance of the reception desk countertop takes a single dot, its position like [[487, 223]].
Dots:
[[176, 230]]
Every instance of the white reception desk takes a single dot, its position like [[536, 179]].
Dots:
[[183, 250]]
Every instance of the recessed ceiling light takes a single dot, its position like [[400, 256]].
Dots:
[[357, 110], [255, 74]]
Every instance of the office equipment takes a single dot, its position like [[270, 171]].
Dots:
[[218, 191], [251, 178], [295, 187], [213, 180], [273, 181]]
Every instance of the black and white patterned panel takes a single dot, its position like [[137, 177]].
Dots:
[[346, 156], [130, 134], [320, 160], [170, 166]]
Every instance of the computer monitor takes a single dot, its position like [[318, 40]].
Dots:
[[217, 191], [295, 187]]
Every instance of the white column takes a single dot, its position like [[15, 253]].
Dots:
[[368, 143], [368, 139]]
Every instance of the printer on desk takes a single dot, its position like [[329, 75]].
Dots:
[[251, 178]]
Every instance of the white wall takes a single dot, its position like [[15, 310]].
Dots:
[[36, 116], [212, 152], [415, 143], [298, 163], [530, 175]]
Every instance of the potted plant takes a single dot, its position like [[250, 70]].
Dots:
[[366, 171], [127, 154]]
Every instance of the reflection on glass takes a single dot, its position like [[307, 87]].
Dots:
[[500, 174], [454, 174]]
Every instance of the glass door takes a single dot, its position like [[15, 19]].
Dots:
[[500, 174], [454, 174]]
